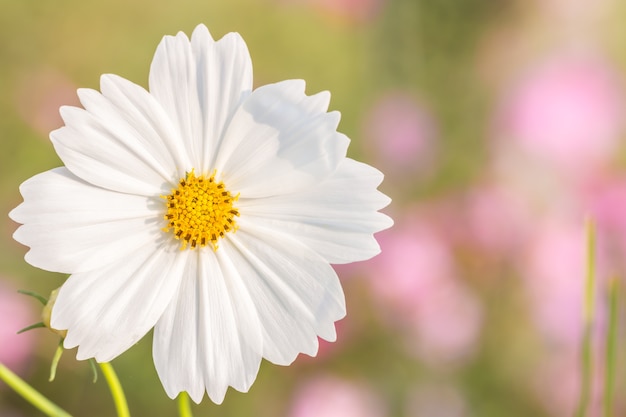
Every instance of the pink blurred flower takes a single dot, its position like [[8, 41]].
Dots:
[[568, 112], [436, 401], [402, 135], [347, 11], [359, 10], [15, 314], [416, 288], [39, 96], [330, 396], [604, 200], [493, 220], [414, 260], [446, 325], [556, 382], [579, 13], [553, 270]]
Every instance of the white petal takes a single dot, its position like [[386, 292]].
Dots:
[[200, 83], [158, 133], [224, 81], [173, 83], [72, 226], [337, 218], [297, 294], [210, 336], [122, 140], [279, 141], [108, 310]]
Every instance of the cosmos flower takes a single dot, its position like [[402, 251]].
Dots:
[[567, 113], [418, 294], [402, 135], [332, 396], [204, 209], [16, 350]]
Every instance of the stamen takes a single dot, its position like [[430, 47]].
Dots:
[[199, 211]]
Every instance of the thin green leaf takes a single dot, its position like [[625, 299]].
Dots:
[[588, 318], [43, 300], [31, 327], [94, 369], [611, 351]]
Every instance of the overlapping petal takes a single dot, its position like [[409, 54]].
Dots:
[[337, 217], [122, 140], [107, 310], [200, 83], [279, 141], [296, 292], [72, 226], [209, 337]]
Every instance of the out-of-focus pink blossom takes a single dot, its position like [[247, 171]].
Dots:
[[15, 314], [556, 382], [359, 10], [39, 96], [577, 13], [347, 11], [401, 135], [604, 200], [436, 401], [553, 270], [568, 112], [330, 396], [492, 220], [415, 285], [415, 259], [446, 325]]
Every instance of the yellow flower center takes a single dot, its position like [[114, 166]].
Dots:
[[200, 211]]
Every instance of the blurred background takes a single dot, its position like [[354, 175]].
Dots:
[[500, 127]]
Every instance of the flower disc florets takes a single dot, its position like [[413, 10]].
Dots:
[[200, 211]]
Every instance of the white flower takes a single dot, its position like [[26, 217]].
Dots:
[[204, 209]]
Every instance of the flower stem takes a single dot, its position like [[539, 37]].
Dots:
[[588, 317], [184, 408], [611, 338], [116, 389], [55, 361], [30, 394]]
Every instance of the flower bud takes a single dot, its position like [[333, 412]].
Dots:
[[47, 313]]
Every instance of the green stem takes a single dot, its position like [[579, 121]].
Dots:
[[55, 361], [590, 282], [588, 317], [116, 389], [184, 407], [611, 339], [30, 394]]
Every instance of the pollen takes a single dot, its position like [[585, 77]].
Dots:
[[200, 211]]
